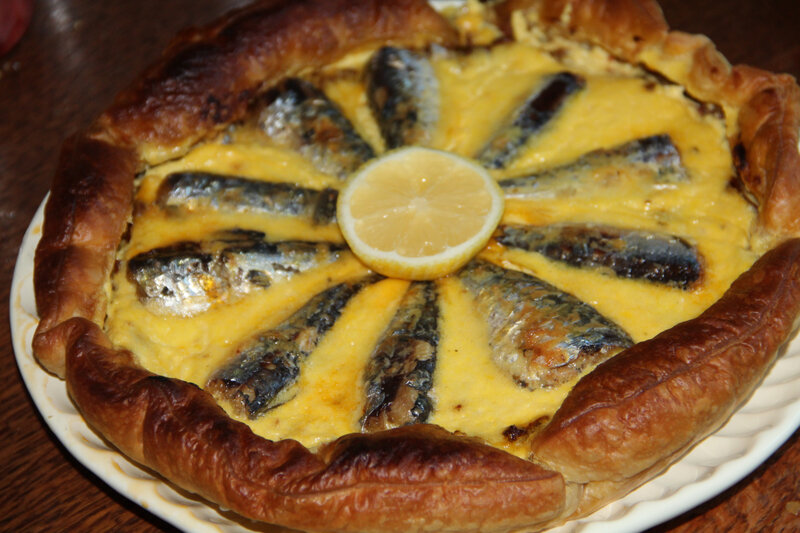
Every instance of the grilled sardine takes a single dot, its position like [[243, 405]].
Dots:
[[300, 117], [403, 94], [546, 101], [264, 367], [635, 254], [653, 160], [540, 336], [187, 278], [399, 375], [189, 191]]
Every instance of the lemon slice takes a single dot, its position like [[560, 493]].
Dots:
[[417, 213]]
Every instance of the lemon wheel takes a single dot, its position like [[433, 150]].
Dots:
[[417, 213]]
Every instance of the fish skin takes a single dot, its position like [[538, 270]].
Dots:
[[260, 374], [541, 107], [635, 254], [188, 278], [188, 191], [654, 159], [399, 375], [403, 94], [540, 336], [300, 117]]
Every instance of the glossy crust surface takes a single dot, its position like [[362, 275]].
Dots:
[[615, 429]]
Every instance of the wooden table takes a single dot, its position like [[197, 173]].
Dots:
[[75, 56]]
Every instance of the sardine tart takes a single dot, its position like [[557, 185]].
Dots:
[[322, 86]]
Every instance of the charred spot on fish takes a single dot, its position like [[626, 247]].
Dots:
[[534, 114], [260, 279], [421, 410], [325, 208]]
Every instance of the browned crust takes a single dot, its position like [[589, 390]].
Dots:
[[207, 77], [663, 395], [768, 125], [624, 27], [390, 481], [86, 213], [416, 477]]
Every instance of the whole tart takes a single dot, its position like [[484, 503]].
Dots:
[[209, 321]]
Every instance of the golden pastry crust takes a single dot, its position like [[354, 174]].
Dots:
[[609, 436], [770, 125], [87, 211]]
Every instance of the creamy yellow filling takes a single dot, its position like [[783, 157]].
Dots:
[[482, 90], [251, 160], [479, 91], [350, 94], [328, 397]]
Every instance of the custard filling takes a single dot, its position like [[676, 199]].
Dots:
[[468, 393]]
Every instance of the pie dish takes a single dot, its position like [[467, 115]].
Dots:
[[621, 424]]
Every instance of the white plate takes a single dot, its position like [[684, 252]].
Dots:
[[750, 437]]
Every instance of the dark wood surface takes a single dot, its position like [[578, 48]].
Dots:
[[75, 56]]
